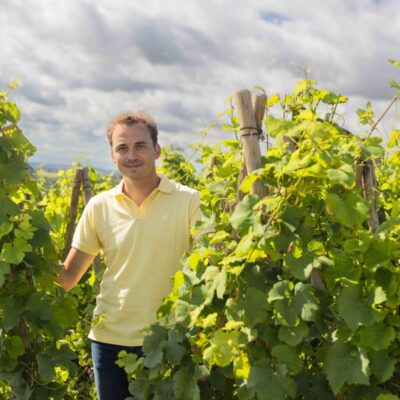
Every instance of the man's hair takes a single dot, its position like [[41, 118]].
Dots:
[[133, 118]]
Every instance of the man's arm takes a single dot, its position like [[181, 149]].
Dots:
[[75, 265]]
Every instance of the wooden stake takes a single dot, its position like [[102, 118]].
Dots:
[[367, 183], [87, 191], [73, 210], [87, 195], [369, 186], [259, 105], [250, 137]]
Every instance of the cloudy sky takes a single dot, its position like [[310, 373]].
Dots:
[[82, 62]]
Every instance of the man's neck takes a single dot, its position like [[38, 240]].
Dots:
[[138, 190]]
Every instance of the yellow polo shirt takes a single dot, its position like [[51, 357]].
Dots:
[[142, 248]]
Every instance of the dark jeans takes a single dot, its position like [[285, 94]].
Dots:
[[111, 380]]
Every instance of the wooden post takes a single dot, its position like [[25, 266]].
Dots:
[[369, 187], [87, 195], [242, 175], [250, 137], [87, 191], [359, 173], [73, 210], [367, 183], [259, 105]]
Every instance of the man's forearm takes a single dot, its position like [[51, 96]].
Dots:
[[75, 265]]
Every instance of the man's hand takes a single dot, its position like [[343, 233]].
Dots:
[[75, 265]]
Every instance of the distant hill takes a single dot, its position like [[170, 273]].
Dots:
[[52, 167]]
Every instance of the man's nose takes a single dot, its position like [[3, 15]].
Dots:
[[132, 153]]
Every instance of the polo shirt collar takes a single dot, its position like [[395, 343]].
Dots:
[[165, 186]]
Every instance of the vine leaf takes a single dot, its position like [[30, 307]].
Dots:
[[267, 384], [185, 386], [346, 364]]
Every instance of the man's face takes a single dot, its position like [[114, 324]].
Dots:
[[133, 152]]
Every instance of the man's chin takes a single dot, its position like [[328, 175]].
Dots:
[[134, 176]]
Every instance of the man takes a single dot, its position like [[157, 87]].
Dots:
[[143, 227]]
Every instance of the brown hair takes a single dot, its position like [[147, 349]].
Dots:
[[133, 118]]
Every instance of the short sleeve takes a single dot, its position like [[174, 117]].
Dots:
[[85, 236]]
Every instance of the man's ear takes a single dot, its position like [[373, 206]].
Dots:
[[157, 149]]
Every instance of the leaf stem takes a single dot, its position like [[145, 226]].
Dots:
[[395, 97]]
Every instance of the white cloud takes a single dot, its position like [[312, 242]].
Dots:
[[83, 62]]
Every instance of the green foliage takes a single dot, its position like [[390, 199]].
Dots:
[[292, 296], [44, 350], [55, 202], [174, 165], [34, 314]]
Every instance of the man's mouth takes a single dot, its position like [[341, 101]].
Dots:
[[133, 165]]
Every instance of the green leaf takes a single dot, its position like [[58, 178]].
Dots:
[[153, 346], [225, 171], [243, 216], [302, 266], [185, 386], [8, 207], [5, 228], [288, 356], [130, 362], [182, 310], [345, 175], [221, 283], [366, 116], [351, 211], [223, 348], [276, 126], [280, 290], [46, 367], [382, 365], [12, 112], [377, 337], [307, 115], [346, 364], [175, 350], [395, 63], [241, 366], [379, 251], [22, 391], [293, 335], [267, 384], [298, 160], [387, 397], [4, 270], [254, 306], [248, 182], [14, 253], [39, 307], [394, 84], [354, 308], [14, 346], [379, 295], [12, 314], [272, 100], [215, 283], [305, 302]]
